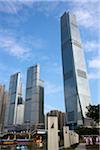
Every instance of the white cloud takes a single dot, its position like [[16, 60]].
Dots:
[[5, 73], [86, 18], [23, 47], [8, 6], [94, 63], [85, 10], [91, 46], [14, 6], [83, 1], [47, 6], [51, 88], [94, 75], [11, 46]]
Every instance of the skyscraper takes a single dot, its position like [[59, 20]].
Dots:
[[34, 101], [76, 89], [3, 102], [15, 92]]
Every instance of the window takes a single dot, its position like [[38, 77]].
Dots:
[[28, 99], [71, 116], [20, 100], [81, 73], [76, 43]]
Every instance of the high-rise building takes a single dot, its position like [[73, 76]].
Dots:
[[15, 93], [3, 102], [76, 89], [60, 115], [20, 111], [34, 101]]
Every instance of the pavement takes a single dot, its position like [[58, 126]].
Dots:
[[81, 146]]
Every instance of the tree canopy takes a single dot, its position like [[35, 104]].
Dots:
[[93, 112]]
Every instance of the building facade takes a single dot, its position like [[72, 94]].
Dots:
[[76, 89], [60, 115], [20, 111], [15, 92], [3, 103], [34, 101]]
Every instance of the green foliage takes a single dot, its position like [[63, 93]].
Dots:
[[93, 112], [87, 131]]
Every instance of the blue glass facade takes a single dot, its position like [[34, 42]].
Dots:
[[14, 92], [76, 89], [34, 102]]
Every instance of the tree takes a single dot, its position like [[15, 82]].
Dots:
[[87, 131], [93, 112]]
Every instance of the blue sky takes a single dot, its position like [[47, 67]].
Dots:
[[30, 34]]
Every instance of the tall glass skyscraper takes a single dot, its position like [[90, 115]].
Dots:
[[76, 89], [3, 103], [34, 101], [15, 91]]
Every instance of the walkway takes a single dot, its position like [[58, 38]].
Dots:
[[81, 146]]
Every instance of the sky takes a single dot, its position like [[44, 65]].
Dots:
[[30, 34]]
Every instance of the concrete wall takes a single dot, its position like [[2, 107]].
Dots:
[[70, 137], [66, 137], [53, 133], [74, 137]]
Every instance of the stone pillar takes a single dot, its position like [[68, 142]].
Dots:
[[15, 136], [70, 136], [52, 133], [77, 138], [74, 137], [66, 137], [72, 133]]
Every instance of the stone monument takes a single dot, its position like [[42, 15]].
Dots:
[[66, 137], [53, 133]]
